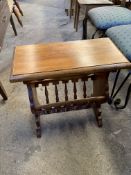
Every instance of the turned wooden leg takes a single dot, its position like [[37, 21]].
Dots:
[[76, 12], [38, 126], [18, 6], [100, 88], [17, 16], [3, 92], [77, 18], [84, 28], [13, 25], [34, 103], [71, 9]]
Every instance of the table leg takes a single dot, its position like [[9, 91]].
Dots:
[[3, 92], [70, 11], [38, 125], [100, 87], [85, 28], [32, 93], [77, 12], [71, 8], [100, 95]]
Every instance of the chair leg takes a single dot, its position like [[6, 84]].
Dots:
[[13, 25], [123, 82], [103, 34], [17, 16], [117, 104], [115, 82], [18, 6], [66, 11], [114, 93], [3, 92], [77, 16], [76, 3], [71, 8], [93, 36], [85, 28]]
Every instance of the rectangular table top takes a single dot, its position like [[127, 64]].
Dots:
[[32, 62]]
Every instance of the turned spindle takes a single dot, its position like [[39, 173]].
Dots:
[[56, 91], [46, 94], [84, 86], [66, 90], [74, 88]]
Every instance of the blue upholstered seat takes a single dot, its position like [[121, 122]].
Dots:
[[109, 16], [121, 36]]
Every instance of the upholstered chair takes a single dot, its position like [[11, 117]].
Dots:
[[105, 17]]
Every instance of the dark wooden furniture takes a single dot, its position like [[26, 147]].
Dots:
[[4, 20], [53, 63], [7, 7]]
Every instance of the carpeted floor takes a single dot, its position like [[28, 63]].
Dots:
[[71, 143]]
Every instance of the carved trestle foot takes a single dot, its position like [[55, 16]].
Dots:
[[99, 96]]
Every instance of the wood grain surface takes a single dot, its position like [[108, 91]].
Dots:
[[66, 56]]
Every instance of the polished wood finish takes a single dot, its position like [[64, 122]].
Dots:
[[53, 63], [58, 58]]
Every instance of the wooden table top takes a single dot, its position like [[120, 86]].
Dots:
[[32, 62], [95, 2]]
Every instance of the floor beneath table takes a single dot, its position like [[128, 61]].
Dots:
[[71, 143]]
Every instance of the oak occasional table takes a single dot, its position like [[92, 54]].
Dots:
[[53, 63]]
